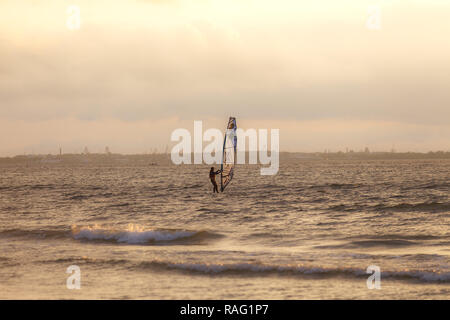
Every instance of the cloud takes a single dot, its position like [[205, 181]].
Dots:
[[153, 60]]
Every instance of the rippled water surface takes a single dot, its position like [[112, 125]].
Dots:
[[158, 232]]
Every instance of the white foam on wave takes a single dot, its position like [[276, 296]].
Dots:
[[132, 234]]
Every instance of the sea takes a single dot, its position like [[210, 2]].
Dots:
[[319, 229]]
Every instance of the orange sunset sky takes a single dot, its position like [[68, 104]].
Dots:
[[136, 70]]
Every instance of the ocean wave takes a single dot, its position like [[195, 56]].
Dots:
[[369, 244], [342, 207], [400, 207], [6, 262], [3, 259], [335, 186], [78, 195], [250, 269], [42, 186], [429, 185], [422, 206], [384, 243], [291, 270], [137, 235], [28, 186], [124, 204], [33, 234], [193, 186], [393, 236], [87, 261]]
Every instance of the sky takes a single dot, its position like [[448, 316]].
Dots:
[[323, 72]]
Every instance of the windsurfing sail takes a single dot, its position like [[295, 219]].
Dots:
[[229, 154]]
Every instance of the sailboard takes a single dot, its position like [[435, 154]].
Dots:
[[228, 154]]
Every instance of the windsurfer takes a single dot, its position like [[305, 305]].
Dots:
[[212, 176]]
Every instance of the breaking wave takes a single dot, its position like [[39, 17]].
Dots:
[[292, 270], [249, 269], [137, 235]]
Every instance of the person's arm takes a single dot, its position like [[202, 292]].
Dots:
[[218, 171]]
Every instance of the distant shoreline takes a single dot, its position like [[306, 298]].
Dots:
[[164, 159]]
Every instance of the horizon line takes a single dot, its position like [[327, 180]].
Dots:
[[168, 153]]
